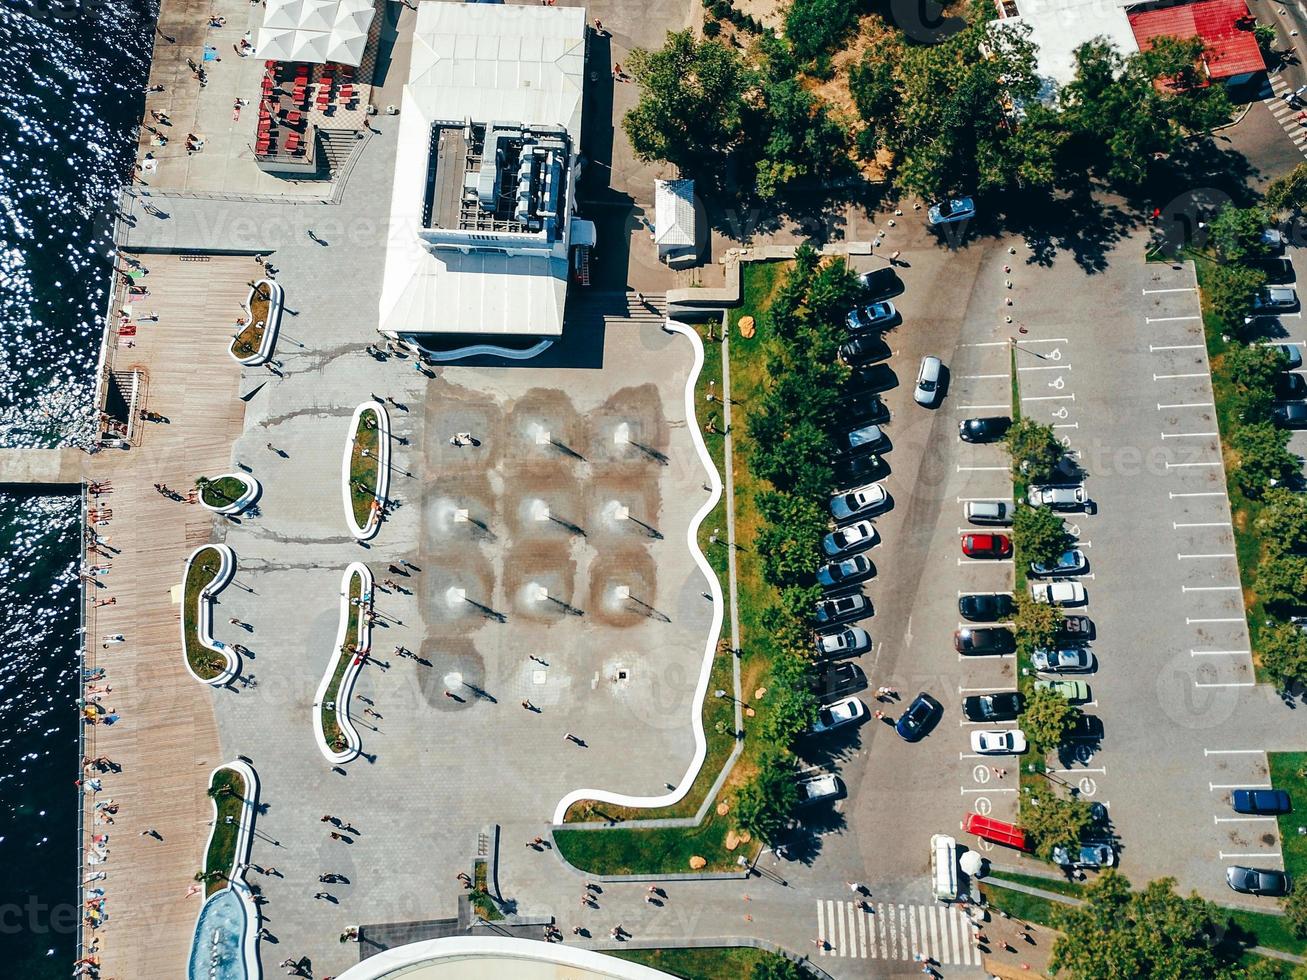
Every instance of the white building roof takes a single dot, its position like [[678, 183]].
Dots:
[[674, 212], [1058, 27], [315, 31], [487, 63]]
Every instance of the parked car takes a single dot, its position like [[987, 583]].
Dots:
[[1077, 692], [1058, 498], [1062, 660], [832, 680], [986, 546], [986, 607], [984, 429], [1090, 854], [1257, 881], [981, 640], [1260, 801], [950, 211], [873, 315], [853, 537], [928, 379], [1085, 728], [880, 283], [842, 572], [1278, 271], [1290, 387], [1071, 562], [998, 741], [988, 512], [1270, 300], [862, 407], [1075, 629], [870, 498], [919, 717], [845, 711], [842, 609], [863, 468], [866, 439], [1291, 415], [864, 350], [815, 789], [1292, 354], [1274, 239], [1058, 593], [847, 642], [998, 706]]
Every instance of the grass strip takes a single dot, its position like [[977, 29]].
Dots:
[[481, 901], [710, 963], [202, 571], [222, 491], [330, 716], [227, 789], [365, 466], [247, 342], [657, 850]]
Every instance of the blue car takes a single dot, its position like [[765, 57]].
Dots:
[[919, 718], [1260, 801]]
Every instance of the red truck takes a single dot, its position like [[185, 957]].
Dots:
[[987, 828]]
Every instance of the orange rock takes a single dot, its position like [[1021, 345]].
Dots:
[[697, 862]]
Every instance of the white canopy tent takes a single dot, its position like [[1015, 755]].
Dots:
[[315, 31]]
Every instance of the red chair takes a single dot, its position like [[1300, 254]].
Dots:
[[347, 93]]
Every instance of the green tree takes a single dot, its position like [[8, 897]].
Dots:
[[788, 543], [776, 967], [790, 713], [691, 110], [1036, 623], [1039, 535], [1053, 820], [1237, 233], [1295, 909], [1255, 365], [1229, 291], [815, 27], [1153, 933], [1283, 520], [766, 802], [1046, 719], [1288, 192], [1035, 450], [802, 140], [1262, 457], [1283, 649], [873, 84]]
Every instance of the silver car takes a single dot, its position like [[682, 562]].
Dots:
[[928, 378], [1058, 498], [849, 570], [988, 512], [848, 641], [870, 498], [858, 535], [1065, 661]]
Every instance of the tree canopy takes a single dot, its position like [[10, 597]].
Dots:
[[1283, 649], [1237, 233], [1046, 719], [1034, 449], [1053, 820], [766, 801], [1039, 534], [1262, 457], [1288, 192]]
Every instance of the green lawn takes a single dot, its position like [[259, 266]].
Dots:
[[222, 491], [1059, 885], [330, 728], [485, 906], [1287, 769], [203, 570], [364, 466], [713, 963], [250, 337], [1029, 908], [661, 850], [227, 788]]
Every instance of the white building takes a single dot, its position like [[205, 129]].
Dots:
[[1061, 26], [674, 222], [481, 217]]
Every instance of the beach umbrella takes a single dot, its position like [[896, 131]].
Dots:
[[311, 46], [275, 45], [283, 14], [317, 15], [346, 47]]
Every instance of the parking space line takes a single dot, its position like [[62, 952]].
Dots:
[[989, 789], [1256, 854], [971, 407], [1226, 684], [1067, 425], [1234, 751], [1169, 319], [1216, 786], [1189, 435], [1210, 588], [1160, 406], [1240, 819], [1176, 289], [1045, 367], [963, 500], [1177, 466], [1168, 377], [1176, 526], [1048, 398], [989, 343], [1047, 340], [1069, 771], [1156, 347], [1223, 653], [1189, 621], [982, 377], [1197, 493], [986, 561], [982, 469], [968, 657], [1222, 554]]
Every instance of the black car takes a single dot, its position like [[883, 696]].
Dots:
[[984, 429], [1290, 387], [999, 706], [1279, 272], [1086, 728], [855, 470], [983, 640], [842, 609], [835, 680], [1075, 630], [870, 380], [1291, 415], [881, 283], [919, 718], [862, 408], [864, 349], [986, 607]]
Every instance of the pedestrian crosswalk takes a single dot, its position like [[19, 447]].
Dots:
[[891, 931], [1285, 114]]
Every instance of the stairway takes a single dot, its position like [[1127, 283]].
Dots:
[[615, 308], [337, 145]]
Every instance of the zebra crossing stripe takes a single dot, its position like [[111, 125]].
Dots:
[[894, 931], [821, 929], [862, 934]]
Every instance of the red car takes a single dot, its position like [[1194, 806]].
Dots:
[[987, 546]]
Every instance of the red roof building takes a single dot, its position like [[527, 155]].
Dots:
[[1225, 26]]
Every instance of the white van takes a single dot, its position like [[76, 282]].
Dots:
[[944, 867]]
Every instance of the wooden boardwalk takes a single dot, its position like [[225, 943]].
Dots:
[[166, 740]]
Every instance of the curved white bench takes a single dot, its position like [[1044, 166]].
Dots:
[[353, 743], [710, 647], [240, 860], [275, 303], [370, 529], [252, 490], [489, 350], [204, 614]]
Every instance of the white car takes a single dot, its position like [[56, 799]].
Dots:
[[860, 534], [842, 712], [928, 376], [1071, 562], [1058, 498], [866, 499], [814, 789], [853, 639], [950, 211], [1066, 660], [1058, 593], [998, 741]]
